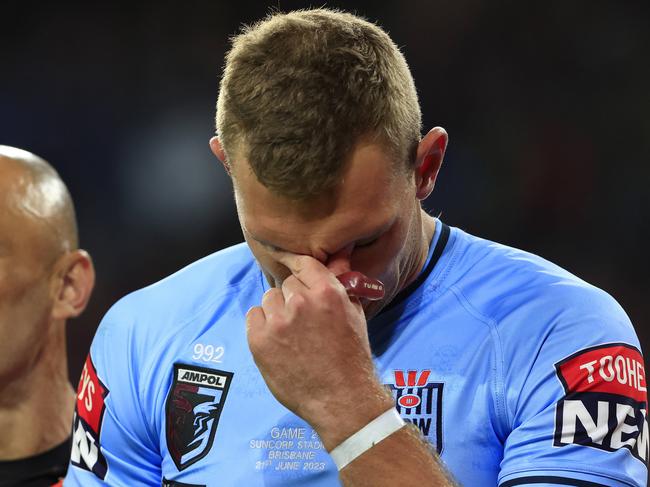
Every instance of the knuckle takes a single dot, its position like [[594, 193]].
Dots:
[[253, 316], [327, 293], [297, 301], [289, 281], [296, 263], [251, 313], [269, 295], [299, 264], [275, 320]]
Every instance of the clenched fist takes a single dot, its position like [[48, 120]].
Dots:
[[310, 342]]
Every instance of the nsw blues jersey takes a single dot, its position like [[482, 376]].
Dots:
[[516, 372]]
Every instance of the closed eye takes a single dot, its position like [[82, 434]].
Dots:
[[366, 243]]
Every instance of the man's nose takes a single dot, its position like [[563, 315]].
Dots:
[[339, 262]]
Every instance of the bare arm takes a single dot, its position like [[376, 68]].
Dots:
[[404, 458], [401, 459], [310, 342]]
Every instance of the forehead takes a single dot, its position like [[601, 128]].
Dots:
[[367, 198], [22, 209]]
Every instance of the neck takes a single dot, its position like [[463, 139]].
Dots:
[[421, 252], [412, 265], [415, 260], [36, 406]]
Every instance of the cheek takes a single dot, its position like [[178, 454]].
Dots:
[[22, 299], [24, 312], [24, 287], [269, 265], [383, 259], [16, 283]]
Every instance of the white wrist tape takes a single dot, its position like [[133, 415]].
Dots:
[[379, 428]]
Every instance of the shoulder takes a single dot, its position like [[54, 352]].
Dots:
[[515, 289], [147, 330], [185, 295]]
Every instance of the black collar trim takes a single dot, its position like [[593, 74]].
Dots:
[[43, 469]]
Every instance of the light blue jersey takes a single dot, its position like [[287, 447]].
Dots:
[[516, 371]]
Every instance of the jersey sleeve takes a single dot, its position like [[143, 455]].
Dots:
[[575, 394], [111, 440]]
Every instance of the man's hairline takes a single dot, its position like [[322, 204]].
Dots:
[[400, 167]]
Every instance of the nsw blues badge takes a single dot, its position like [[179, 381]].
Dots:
[[419, 401], [192, 410]]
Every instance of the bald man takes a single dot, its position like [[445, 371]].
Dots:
[[45, 279]]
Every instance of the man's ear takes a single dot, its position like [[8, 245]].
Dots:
[[217, 150], [73, 282], [431, 151]]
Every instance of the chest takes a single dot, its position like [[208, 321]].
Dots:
[[219, 424]]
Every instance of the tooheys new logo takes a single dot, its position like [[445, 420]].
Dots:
[[605, 404], [87, 423]]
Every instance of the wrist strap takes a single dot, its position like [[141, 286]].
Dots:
[[367, 437]]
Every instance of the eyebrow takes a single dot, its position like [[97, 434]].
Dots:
[[367, 238]]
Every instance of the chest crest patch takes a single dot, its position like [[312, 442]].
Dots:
[[419, 401], [192, 411]]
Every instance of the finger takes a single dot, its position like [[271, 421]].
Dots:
[[255, 320], [292, 286], [255, 317], [306, 269], [272, 300], [273, 303]]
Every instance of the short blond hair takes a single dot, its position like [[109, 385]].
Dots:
[[300, 90]]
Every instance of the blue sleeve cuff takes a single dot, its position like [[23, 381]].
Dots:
[[563, 478]]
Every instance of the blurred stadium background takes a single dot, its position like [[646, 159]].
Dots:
[[547, 105]]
